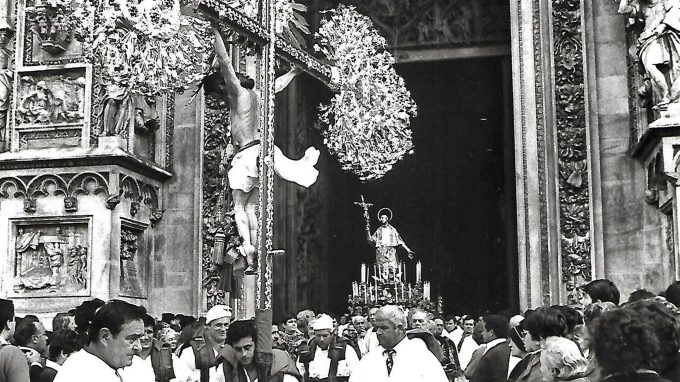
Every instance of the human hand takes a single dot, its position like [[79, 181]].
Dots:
[[32, 356], [411, 255]]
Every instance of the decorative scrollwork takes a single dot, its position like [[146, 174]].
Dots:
[[574, 197]]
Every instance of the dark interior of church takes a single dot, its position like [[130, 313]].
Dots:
[[453, 199]]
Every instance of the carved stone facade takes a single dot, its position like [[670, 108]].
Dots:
[[426, 23]]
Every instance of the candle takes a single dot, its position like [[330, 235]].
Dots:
[[363, 272], [410, 292], [402, 291], [375, 269], [418, 271], [365, 294]]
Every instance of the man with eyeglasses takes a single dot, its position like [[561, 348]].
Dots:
[[202, 363], [113, 339]]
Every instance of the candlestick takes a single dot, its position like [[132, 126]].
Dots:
[[363, 272], [418, 271], [375, 270], [365, 294], [410, 292]]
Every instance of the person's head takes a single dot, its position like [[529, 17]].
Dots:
[[450, 323], [582, 338], [323, 331], [390, 325], [561, 359], [673, 293], [571, 316], [601, 290], [276, 334], [383, 219], [516, 343], [371, 315], [115, 332], [594, 310], [543, 323], [168, 318], [217, 322], [63, 321], [169, 337], [241, 336], [659, 319], [477, 332], [624, 343], [149, 330], [289, 324], [7, 324], [350, 332], [640, 294], [418, 319], [63, 343], [84, 312], [468, 325], [438, 326], [30, 333], [359, 323], [495, 326]]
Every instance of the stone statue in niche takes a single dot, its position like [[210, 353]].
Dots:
[[51, 99], [49, 260], [119, 105], [658, 47], [77, 261], [6, 81]]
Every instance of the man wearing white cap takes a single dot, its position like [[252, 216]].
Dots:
[[329, 358], [202, 361]]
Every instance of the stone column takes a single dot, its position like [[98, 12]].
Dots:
[[552, 150]]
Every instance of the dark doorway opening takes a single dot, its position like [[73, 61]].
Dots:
[[453, 200]]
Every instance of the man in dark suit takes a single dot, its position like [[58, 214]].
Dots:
[[493, 366]]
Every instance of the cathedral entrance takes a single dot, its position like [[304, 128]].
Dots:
[[453, 199]]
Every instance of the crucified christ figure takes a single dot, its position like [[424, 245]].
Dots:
[[244, 173]]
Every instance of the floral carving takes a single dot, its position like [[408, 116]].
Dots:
[[574, 198], [218, 204]]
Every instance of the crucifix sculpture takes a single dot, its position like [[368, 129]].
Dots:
[[257, 124]]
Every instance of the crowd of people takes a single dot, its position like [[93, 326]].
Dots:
[[115, 341]]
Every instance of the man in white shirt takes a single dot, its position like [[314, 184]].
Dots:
[[397, 359], [466, 345], [200, 360], [113, 336], [359, 323], [327, 355], [370, 339]]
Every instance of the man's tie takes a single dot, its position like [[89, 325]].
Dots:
[[390, 360]]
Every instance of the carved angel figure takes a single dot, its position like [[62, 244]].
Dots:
[[658, 44]]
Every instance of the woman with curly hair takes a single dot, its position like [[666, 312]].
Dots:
[[627, 348], [660, 319], [561, 360]]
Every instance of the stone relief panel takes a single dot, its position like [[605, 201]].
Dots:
[[51, 258], [134, 260], [47, 36], [438, 22], [51, 99]]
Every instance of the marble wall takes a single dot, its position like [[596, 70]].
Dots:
[[636, 250]]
